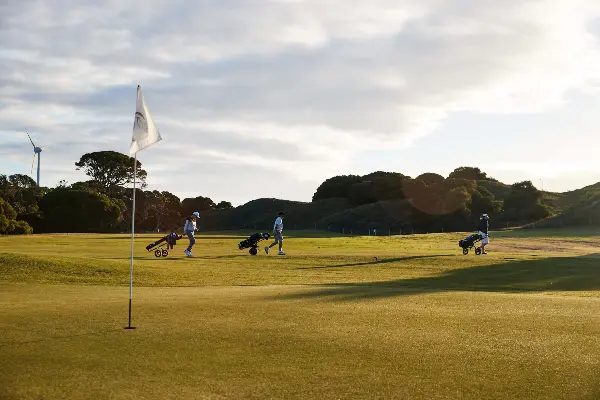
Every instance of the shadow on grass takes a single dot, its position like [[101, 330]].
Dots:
[[155, 236], [170, 257], [177, 256], [243, 255], [549, 274], [288, 233], [17, 342], [224, 235], [581, 232], [375, 262]]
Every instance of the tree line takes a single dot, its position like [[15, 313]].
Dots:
[[103, 203], [434, 203]]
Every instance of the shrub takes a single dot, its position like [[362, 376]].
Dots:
[[19, 228]]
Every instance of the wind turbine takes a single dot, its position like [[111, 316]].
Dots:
[[36, 151]]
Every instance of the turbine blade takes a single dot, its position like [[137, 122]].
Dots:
[[30, 138], [32, 162]]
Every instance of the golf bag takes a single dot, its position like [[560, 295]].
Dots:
[[164, 244], [252, 242], [469, 242]]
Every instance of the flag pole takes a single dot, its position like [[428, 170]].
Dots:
[[145, 133], [132, 241]]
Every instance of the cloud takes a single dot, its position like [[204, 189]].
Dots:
[[266, 93]]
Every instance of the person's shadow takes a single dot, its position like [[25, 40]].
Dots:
[[580, 273]]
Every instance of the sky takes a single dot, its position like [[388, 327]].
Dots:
[[268, 98]]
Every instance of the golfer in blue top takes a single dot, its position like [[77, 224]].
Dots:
[[189, 229], [484, 226]]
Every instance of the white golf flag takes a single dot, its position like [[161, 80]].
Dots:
[[145, 132]]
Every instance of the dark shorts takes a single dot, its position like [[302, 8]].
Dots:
[[190, 236], [278, 237]]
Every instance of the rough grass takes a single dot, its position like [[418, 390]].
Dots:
[[329, 320]]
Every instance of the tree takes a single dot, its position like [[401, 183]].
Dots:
[[7, 210], [430, 178], [470, 173], [388, 187], [124, 199], [7, 189], [524, 203], [197, 204], [111, 169], [21, 192], [338, 186], [456, 199], [22, 181], [383, 174], [69, 210], [8, 223], [224, 205], [165, 209], [370, 188], [361, 193], [483, 202], [91, 186]]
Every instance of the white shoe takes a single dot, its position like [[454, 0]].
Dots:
[[267, 250], [187, 253], [281, 253]]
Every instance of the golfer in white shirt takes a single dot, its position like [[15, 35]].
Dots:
[[278, 229]]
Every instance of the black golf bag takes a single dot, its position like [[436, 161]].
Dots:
[[469, 242], [252, 242], [168, 241]]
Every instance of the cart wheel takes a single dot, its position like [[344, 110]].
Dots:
[[165, 253], [465, 251], [253, 251], [157, 253], [478, 251]]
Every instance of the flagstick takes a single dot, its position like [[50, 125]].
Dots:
[[144, 134], [132, 240]]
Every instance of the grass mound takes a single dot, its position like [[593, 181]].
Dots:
[[55, 269]]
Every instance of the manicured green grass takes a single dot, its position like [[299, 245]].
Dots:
[[328, 320]]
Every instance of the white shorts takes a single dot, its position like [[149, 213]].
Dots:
[[486, 238]]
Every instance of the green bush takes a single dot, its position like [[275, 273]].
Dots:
[[4, 223], [8, 225], [19, 228], [7, 210]]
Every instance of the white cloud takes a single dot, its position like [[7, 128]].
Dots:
[[292, 88]]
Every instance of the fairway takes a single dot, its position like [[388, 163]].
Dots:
[[339, 317]]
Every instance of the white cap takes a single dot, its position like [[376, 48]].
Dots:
[[196, 214]]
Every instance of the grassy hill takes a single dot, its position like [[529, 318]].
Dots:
[[261, 213], [584, 212], [566, 200]]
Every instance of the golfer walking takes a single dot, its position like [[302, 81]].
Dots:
[[484, 226], [189, 229], [278, 229]]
